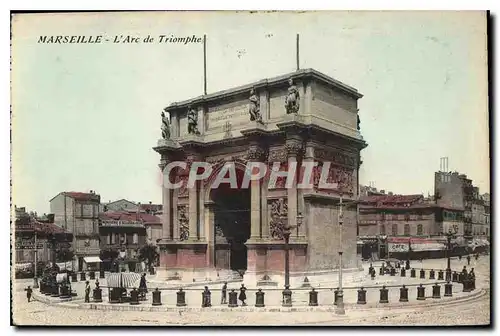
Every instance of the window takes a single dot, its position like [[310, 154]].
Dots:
[[109, 239], [135, 239], [382, 229], [420, 229], [394, 229], [407, 217], [407, 229]]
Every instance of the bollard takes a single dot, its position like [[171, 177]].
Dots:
[[413, 273], [92, 275], [181, 298], [259, 298], [74, 277], [361, 296], [448, 289], [156, 297], [436, 291], [82, 276], [384, 295], [432, 275], [440, 275], [336, 296], [403, 294], [205, 298], [48, 288], [455, 276], [134, 297], [41, 286], [403, 272], [114, 295], [393, 271], [421, 292], [466, 285], [422, 274], [313, 298], [97, 294], [233, 299], [101, 274], [287, 297], [373, 274]]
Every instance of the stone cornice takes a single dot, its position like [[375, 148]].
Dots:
[[282, 80]]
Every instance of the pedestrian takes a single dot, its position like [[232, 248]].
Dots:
[[468, 259], [242, 297], [142, 284], [96, 283], [206, 298], [87, 292], [29, 291], [477, 256], [459, 257], [223, 299]]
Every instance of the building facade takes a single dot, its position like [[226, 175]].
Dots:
[[302, 116], [78, 213], [390, 224]]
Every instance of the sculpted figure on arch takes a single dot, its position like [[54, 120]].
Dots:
[[254, 108], [292, 100]]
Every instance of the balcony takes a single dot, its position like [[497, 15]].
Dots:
[[119, 223]]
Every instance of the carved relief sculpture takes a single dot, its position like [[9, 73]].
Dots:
[[254, 108], [165, 126], [292, 100], [358, 122], [192, 121], [183, 222], [279, 217]]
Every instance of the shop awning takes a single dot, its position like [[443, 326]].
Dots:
[[92, 259]]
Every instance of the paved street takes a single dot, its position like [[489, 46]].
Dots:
[[475, 311]]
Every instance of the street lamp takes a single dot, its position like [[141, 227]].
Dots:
[[35, 277], [287, 230], [449, 235]]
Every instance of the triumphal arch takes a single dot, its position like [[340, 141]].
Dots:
[[304, 116]]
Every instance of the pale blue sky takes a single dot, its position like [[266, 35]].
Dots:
[[87, 116]]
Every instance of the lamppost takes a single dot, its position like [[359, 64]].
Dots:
[[340, 296], [407, 266], [35, 278], [449, 235], [287, 230]]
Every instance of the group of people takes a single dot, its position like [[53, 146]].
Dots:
[[242, 296]]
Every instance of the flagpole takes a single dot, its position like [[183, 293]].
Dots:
[[297, 50], [204, 64]]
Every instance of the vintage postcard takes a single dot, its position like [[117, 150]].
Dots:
[[250, 168]]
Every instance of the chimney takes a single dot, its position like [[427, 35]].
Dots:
[[150, 202], [382, 191], [50, 218]]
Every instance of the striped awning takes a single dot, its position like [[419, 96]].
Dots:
[[124, 279], [65, 266]]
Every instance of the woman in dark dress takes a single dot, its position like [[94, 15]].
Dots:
[[242, 297]]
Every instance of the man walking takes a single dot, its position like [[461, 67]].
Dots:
[[29, 291], [87, 292], [224, 294], [468, 259]]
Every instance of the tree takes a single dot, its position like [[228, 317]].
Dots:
[[149, 254], [64, 254]]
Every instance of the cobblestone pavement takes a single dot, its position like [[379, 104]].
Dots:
[[474, 312]]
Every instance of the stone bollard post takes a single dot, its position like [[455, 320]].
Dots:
[[74, 277], [181, 298], [233, 299], [156, 297], [114, 295], [393, 271], [407, 264], [413, 273], [313, 298], [466, 282], [48, 288], [101, 274], [436, 291], [440, 275], [259, 298], [92, 275], [448, 289], [361, 296], [455, 277], [384, 295], [206, 298], [97, 294], [336, 296], [403, 272], [403, 294], [82, 276], [134, 297], [422, 274], [41, 287], [287, 297], [432, 275], [421, 292]]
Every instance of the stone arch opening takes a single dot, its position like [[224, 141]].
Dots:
[[231, 210]]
